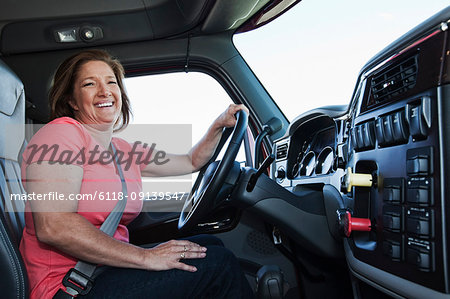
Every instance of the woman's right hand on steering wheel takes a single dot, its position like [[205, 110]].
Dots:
[[168, 255]]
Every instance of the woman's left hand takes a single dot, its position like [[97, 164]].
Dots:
[[227, 118]]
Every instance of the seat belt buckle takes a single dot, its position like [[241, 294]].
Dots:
[[77, 281]]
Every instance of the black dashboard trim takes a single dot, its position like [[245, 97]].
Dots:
[[387, 281], [309, 230], [442, 159], [332, 112]]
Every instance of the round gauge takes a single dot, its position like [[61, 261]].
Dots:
[[325, 161], [300, 157], [296, 166], [295, 169], [307, 165]]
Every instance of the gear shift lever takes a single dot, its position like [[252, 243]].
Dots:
[[269, 282], [252, 182]]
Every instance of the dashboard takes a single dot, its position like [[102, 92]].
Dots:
[[385, 158]]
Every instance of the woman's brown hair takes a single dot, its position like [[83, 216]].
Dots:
[[62, 88]]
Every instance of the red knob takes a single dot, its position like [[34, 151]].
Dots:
[[347, 223]]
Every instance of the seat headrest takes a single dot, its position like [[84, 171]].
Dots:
[[11, 89], [12, 113]]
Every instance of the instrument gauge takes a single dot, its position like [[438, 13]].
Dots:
[[308, 163], [325, 161], [295, 169]]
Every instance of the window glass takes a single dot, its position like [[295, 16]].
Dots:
[[174, 107]]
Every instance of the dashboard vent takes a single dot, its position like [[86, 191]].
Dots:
[[282, 151], [394, 80]]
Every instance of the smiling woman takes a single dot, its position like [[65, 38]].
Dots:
[[88, 88]]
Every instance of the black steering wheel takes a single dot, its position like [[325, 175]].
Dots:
[[207, 187]]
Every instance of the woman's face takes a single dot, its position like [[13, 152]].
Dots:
[[96, 94]]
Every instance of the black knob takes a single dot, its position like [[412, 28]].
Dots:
[[281, 174]]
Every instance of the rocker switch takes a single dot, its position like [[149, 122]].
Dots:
[[417, 166]]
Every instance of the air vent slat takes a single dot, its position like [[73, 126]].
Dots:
[[282, 150], [394, 80]]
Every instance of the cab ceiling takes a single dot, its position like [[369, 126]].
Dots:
[[29, 26]]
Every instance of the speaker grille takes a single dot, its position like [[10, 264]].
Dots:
[[261, 243]]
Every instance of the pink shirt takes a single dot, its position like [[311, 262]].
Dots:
[[47, 265]]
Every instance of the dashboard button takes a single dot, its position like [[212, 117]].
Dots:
[[419, 191], [281, 174], [393, 190], [417, 125], [392, 222], [400, 127], [392, 249], [359, 137], [387, 129], [392, 195], [379, 131], [419, 258], [418, 196], [369, 134], [354, 138], [417, 166], [418, 227]]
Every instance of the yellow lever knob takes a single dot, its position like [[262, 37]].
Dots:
[[357, 180]]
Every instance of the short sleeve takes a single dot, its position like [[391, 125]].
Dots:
[[147, 153], [61, 141]]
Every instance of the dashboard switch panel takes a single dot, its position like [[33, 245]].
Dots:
[[364, 136]]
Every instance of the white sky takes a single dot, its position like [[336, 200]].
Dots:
[[311, 55]]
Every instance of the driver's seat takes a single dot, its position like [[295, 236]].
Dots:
[[14, 280]]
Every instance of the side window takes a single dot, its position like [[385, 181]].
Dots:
[[178, 108]]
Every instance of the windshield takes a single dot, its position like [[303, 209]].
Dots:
[[311, 55]]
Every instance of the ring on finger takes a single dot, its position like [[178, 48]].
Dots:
[[182, 255], [185, 248]]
